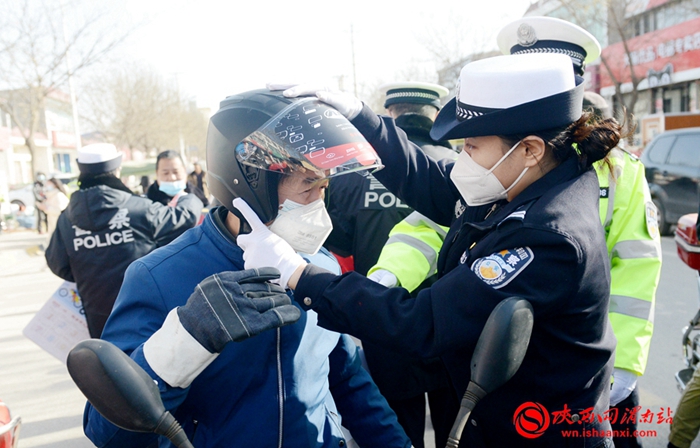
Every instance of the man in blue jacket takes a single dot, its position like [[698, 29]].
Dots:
[[284, 388]]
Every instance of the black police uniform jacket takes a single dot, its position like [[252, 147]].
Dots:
[[101, 232], [546, 246], [363, 211]]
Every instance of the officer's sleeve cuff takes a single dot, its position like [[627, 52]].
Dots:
[[311, 285], [367, 122]]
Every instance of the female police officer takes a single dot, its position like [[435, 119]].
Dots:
[[529, 228]]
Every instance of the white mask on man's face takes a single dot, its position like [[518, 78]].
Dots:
[[304, 227], [478, 185]]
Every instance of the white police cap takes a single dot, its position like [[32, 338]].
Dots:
[[507, 95], [549, 35], [415, 92], [98, 158]]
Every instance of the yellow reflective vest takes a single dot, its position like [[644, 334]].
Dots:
[[634, 246]]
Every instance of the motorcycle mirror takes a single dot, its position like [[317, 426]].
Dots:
[[121, 390], [499, 351], [502, 344]]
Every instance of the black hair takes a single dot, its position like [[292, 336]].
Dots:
[[168, 154], [88, 178], [594, 139]]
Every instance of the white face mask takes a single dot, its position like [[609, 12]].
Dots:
[[304, 227], [476, 184]]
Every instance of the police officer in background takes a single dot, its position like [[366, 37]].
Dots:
[[363, 212], [362, 209], [106, 227]]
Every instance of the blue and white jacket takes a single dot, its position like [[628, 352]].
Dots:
[[282, 388]]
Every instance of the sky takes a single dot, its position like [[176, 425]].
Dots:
[[215, 48]]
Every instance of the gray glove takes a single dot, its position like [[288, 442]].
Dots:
[[225, 307], [233, 306]]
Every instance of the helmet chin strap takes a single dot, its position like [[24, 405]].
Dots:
[[243, 226]]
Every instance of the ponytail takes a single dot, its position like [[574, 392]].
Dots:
[[589, 138], [593, 138]]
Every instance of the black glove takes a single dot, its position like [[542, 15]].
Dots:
[[225, 307], [234, 306]]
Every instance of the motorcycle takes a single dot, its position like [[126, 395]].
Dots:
[[9, 427], [688, 247], [128, 397]]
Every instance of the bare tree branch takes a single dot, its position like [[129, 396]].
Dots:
[[137, 108], [34, 50]]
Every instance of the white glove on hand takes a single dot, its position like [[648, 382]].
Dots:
[[280, 85], [624, 383], [346, 104], [262, 248], [384, 277]]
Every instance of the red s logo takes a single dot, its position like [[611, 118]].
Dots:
[[531, 420]]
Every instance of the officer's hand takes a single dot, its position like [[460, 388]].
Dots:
[[624, 383], [347, 104], [224, 307], [263, 248], [384, 277]]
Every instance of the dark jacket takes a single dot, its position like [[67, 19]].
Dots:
[[101, 232], [154, 194], [546, 246], [283, 388], [361, 225], [363, 211]]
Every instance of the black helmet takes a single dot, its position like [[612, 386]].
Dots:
[[256, 137]]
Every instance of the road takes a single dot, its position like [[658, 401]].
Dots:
[[33, 384], [676, 303], [37, 386]]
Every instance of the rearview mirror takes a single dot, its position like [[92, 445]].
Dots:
[[121, 390]]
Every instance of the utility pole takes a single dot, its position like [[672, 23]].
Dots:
[[184, 156], [354, 72], [71, 87]]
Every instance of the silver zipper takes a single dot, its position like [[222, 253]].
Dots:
[[279, 386]]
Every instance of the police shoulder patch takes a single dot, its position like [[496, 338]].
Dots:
[[652, 217], [499, 269]]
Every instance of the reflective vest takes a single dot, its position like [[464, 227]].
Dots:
[[634, 246]]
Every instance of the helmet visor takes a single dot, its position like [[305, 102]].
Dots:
[[308, 135]]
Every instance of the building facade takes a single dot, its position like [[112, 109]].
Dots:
[[650, 60]]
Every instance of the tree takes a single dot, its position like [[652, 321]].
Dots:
[[137, 108], [617, 17], [35, 50], [453, 40]]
